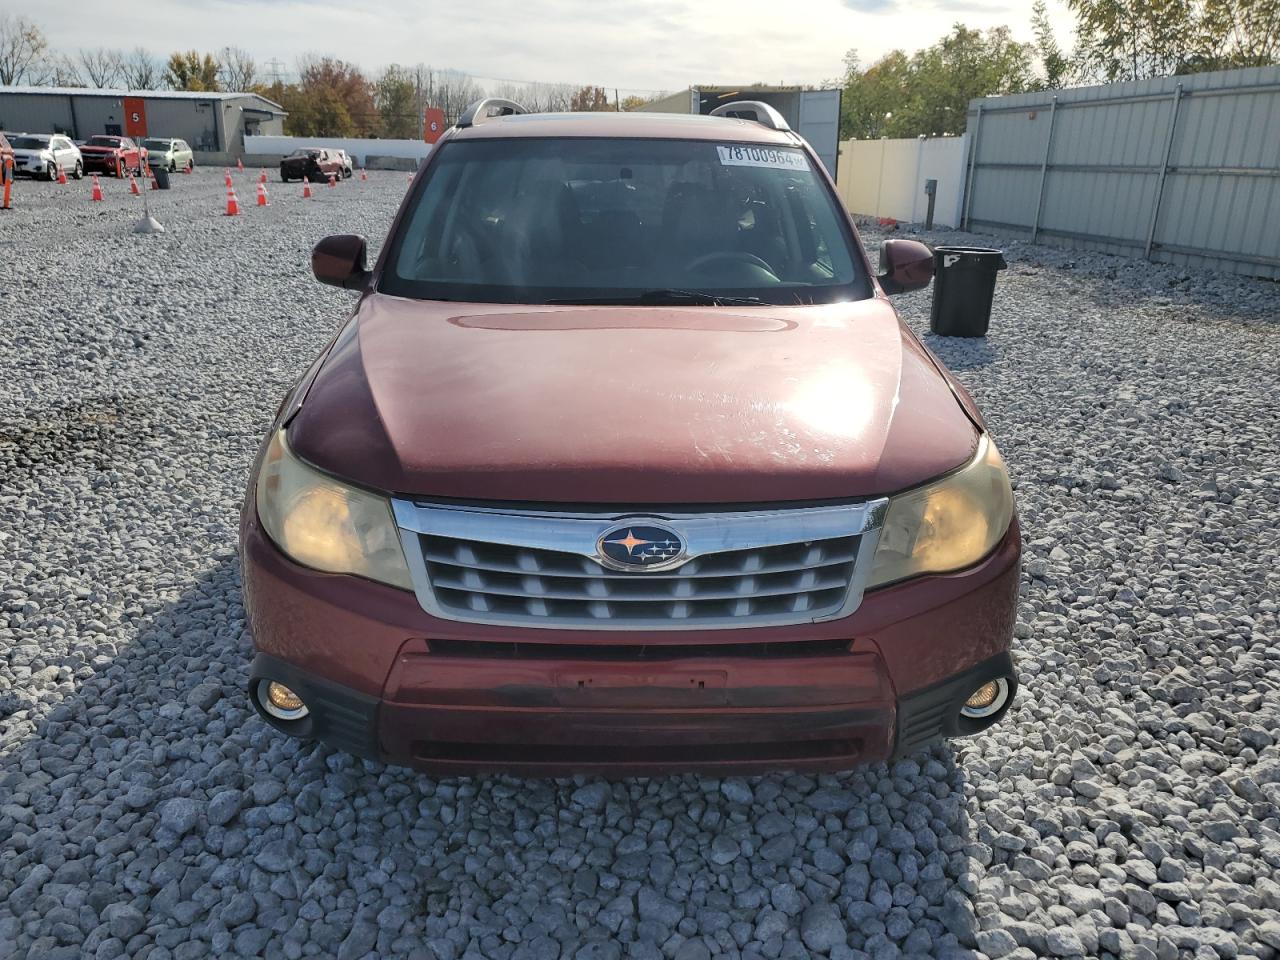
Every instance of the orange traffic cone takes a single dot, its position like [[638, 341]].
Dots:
[[263, 178], [228, 179], [62, 175], [133, 186], [233, 205], [97, 188], [306, 189], [262, 195], [332, 181], [239, 164], [363, 175]]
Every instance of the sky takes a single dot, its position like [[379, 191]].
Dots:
[[657, 45]]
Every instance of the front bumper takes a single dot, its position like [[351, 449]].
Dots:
[[383, 679], [92, 161], [30, 167]]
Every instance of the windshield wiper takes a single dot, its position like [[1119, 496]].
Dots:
[[657, 298]]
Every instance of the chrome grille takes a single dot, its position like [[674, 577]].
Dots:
[[536, 569]]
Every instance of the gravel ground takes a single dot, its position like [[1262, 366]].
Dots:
[[1127, 807]]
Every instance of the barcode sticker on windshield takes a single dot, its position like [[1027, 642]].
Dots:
[[741, 155]]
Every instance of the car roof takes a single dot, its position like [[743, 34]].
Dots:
[[650, 126]]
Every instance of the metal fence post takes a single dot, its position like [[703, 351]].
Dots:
[[1044, 169], [973, 163], [1164, 171]]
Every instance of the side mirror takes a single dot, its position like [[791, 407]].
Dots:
[[341, 261], [904, 265]]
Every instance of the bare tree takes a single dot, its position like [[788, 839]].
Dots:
[[60, 71], [102, 67], [236, 69], [140, 70], [22, 50]]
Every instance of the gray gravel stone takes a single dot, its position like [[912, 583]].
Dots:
[[180, 815], [821, 928]]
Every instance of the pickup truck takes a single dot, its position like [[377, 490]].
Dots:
[[117, 156]]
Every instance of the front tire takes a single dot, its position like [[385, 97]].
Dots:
[[51, 174], [77, 172]]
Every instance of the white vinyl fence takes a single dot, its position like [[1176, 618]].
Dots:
[[886, 178], [272, 148]]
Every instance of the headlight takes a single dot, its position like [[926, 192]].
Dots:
[[327, 525], [947, 525]]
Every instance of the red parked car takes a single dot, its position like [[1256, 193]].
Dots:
[[625, 462], [117, 156]]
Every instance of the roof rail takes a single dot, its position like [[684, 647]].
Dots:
[[488, 109], [756, 110]]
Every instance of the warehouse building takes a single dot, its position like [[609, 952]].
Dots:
[[215, 124], [814, 114]]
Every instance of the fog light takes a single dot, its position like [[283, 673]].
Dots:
[[281, 702], [986, 700]]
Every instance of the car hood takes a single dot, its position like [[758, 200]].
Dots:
[[629, 405], [30, 151], [88, 149]]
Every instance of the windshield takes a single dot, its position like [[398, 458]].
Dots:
[[29, 143], [104, 141], [156, 144], [625, 220], [303, 154]]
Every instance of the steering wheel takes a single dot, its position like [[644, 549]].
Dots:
[[739, 256]]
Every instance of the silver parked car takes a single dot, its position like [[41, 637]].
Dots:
[[175, 155], [40, 155]]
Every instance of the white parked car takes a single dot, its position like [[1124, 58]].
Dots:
[[348, 168], [174, 155], [40, 155]]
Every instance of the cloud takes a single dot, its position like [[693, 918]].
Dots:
[[660, 45], [870, 6]]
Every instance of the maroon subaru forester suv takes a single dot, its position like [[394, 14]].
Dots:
[[624, 463]]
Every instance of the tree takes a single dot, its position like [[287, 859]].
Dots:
[[633, 102], [454, 92], [340, 84], [928, 93], [1133, 39], [22, 50], [139, 70], [191, 71], [590, 100], [101, 67], [871, 96], [319, 112], [1232, 33], [1054, 64], [394, 95], [236, 69]]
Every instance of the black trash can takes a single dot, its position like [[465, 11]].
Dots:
[[964, 283], [162, 177]]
